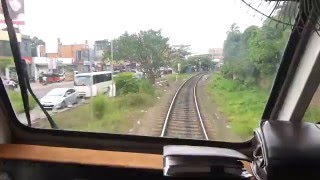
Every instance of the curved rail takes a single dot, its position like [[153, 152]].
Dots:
[[170, 107], [167, 119], [198, 109]]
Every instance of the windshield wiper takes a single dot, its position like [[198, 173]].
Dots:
[[22, 74]]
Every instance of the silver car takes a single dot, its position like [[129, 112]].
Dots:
[[59, 98]]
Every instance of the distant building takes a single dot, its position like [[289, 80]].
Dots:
[[41, 51], [6, 53], [216, 53], [47, 65], [78, 53], [99, 47]]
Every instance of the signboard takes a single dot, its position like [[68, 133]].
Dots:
[[16, 11]]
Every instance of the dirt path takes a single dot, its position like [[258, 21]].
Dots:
[[212, 117]]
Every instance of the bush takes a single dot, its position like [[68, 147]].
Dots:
[[17, 103], [241, 104], [123, 76], [250, 81], [134, 100], [146, 87], [126, 84], [99, 106]]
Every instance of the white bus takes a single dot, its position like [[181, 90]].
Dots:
[[102, 83]]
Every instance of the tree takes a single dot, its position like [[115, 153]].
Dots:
[[106, 56], [204, 59], [264, 51], [180, 51], [243, 68], [231, 50], [149, 48], [35, 42], [4, 63], [152, 50]]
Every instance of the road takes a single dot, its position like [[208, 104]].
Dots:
[[41, 90]]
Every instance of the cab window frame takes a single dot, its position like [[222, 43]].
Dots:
[[134, 143]]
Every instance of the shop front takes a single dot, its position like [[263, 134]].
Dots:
[[51, 65]]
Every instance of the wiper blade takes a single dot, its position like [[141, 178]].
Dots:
[[51, 121], [21, 69]]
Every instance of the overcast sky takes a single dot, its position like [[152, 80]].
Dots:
[[199, 23]]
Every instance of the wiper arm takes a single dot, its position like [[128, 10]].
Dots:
[[27, 82], [22, 76]]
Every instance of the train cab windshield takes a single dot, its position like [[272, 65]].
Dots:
[[140, 75], [205, 77]]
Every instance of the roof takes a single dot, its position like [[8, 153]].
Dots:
[[58, 90], [61, 89]]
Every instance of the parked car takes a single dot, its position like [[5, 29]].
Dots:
[[59, 98]]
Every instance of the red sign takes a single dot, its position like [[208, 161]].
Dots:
[[27, 59]]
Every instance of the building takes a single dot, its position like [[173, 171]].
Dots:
[[41, 51], [99, 47], [78, 53], [6, 54], [216, 53], [51, 65]]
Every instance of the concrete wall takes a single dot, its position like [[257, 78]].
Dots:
[[4, 36], [69, 51]]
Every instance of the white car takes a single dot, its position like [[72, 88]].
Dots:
[[59, 98]]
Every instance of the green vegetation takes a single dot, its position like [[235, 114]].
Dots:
[[5, 63], [251, 59], [115, 114], [16, 101], [312, 114], [35, 42], [241, 104], [150, 48], [126, 83], [252, 56], [109, 114], [172, 77], [99, 106]]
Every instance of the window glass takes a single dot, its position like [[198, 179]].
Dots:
[[143, 51], [70, 91], [82, 80], [108, 77], [57, 92], [313, 112]]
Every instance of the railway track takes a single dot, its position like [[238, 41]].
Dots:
[[183, 118]]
